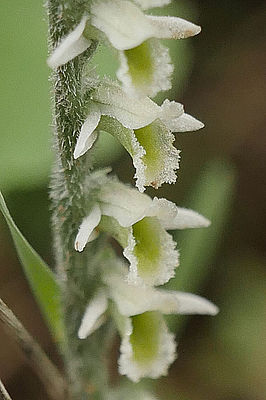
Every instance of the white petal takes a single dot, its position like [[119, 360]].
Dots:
[[193, 304], [173, 217], [173, 27], [70, 47], [185, 123], [153, 367], [152, 254], [186, 218], [130, 112], [123, 203], [132, 300], [123, 23], [170, 110], [146, 69], [163, 209], [86, 228], [88, 135], [146, 4], [92, 318]]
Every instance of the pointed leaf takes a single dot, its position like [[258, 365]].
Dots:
[[41, 279]]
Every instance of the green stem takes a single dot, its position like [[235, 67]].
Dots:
[[78, 272]]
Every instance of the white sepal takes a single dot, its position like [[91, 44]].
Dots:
[[192, 304], [93, 317], [113, 101], [123, 203], [186, 218], [70, 47], [163, 209], [173, 217], [174, 118], [123, 23], [88, 135], [172, 27], [171, 110], [126, 26], [184, 123], [87, 226], [132, 300]]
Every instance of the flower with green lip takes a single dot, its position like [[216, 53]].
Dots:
[[147, 347], [143, 128], [140, 225], [145, 63]]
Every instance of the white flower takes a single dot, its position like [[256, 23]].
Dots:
[[144, 129], [126, 26], [146, 69], [147, 348], [145, 63], [139, 224]]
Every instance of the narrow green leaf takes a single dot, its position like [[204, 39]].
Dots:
[[41, 279]]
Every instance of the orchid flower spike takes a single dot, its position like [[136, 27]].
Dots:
[[140, 225], [143, 128], [145, 65], [147, 348]]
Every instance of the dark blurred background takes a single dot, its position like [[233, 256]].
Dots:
[[220, 78]]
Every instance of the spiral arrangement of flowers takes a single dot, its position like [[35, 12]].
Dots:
[[127, 289]]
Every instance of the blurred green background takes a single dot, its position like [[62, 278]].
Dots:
[[220, 77]]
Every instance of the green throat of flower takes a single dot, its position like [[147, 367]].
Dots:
[[140, 64], [151, 138], [145, 338], [147, 248]]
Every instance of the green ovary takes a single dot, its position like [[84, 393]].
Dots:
[[147, 249], [145, 338], [140, 64], [152, 139]]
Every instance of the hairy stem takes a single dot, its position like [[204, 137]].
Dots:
[[78, 272]]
